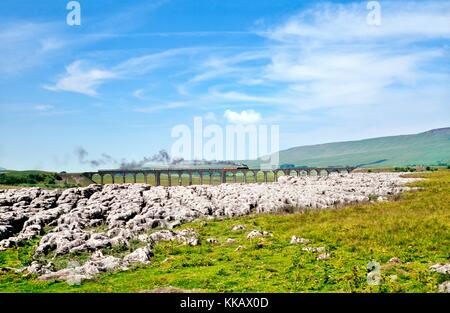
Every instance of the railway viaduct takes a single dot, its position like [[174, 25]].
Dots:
[[119, 176]]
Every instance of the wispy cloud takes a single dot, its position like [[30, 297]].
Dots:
[[85, 78], [413, 20], [161, 107], [81, 78], [25, 45]]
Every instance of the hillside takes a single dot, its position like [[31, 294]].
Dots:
[[43, 179], [428, 148]]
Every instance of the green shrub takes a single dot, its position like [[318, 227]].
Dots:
[[28, 178]]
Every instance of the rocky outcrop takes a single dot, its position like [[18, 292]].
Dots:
[[96, 217]]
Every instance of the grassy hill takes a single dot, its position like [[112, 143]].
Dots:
[[43, 179], [428, 148]]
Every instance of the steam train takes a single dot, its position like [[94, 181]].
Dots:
[[238, 167]]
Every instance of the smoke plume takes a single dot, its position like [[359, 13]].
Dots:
[[162, 157]]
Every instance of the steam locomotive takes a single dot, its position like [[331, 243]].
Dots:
[[238, 167]]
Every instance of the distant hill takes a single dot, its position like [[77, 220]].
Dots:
[[428, 148]]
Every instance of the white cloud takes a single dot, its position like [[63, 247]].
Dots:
[[82, 79], [244, 117]]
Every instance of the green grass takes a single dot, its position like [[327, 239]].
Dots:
[[415, 228], [17, 179]]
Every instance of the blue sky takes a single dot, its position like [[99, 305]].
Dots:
[[133, 70]]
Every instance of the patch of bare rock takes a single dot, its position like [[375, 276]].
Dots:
[[258, 233], [298, 240]]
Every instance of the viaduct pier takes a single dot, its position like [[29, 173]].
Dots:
[[207, 175]]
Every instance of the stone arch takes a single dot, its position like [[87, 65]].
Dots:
[[323, 172], [250, 176], [293, 173], [270, 176], [108, 178], [96, 178], [302, 172], [240, 176], [140, 177], [313, 172], [260, 176], [230, 176]]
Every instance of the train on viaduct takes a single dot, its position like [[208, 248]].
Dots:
[[206, 174]]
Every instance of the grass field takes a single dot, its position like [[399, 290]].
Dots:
[[414, 228]]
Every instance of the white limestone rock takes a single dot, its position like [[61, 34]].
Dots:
[[441, 268], [314, 249], [258, 233], [444, 287], [298, 240], [238, 227], [141, 255]]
